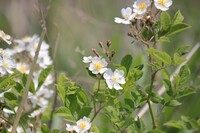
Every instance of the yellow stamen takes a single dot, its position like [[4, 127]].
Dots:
[[162, 2], [22, 68], [98, 66], [142, 6], [82, 125]]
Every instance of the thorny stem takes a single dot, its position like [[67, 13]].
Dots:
[[26, 89]]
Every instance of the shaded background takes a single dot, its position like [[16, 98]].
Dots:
[[76, 26]]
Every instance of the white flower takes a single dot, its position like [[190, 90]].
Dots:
[[6, 65], [114, 79], [163, 4], [127, 16], [5, 37], [98, 65], [23, 67], [87, 59], [140, 6], [82, 125]]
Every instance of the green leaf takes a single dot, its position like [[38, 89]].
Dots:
[[45, 129], [168, 87], [177, 59], [184, 74], [73, 103], [43, 75], [185, 92], [82, 97], [19, 87], [176, 124], [156, 131], [178, 28], [182, 50], [159, 56], [7, 82], [163, 39], [55, 131], [66, 113], [165, 20], [173, 103], [178, 18], [94, 129], [85, 111], [156, 98], [126, 62], [62, 80], [10, 96]]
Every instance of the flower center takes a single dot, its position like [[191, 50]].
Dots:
[[98, 66], [126, 17], [142, 6], [82, 125], [23, 68], [162, 2], [5, 64], [114, 78]]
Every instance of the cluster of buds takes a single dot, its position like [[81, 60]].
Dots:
[[99, 66]]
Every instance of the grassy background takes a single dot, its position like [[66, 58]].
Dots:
[[76, 26]]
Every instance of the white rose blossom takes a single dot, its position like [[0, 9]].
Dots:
[[140, 6], [113, 80], [6, 65], [163, 4], [82, 126], [127, 16], [97, 65]]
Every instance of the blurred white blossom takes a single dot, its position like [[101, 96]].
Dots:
[[140, 6], [127, 16], [6, 65], [114, 79], [82, 126], [163, 4], [98, 65]]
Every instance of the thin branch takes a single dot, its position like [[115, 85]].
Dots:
[[26, 89], [145, 108]]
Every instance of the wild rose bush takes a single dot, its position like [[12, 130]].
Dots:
[[116, 93]]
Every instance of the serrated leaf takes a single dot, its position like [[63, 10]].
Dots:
[[184, 74], [159, 56], [43, 75], [178, 28], [177, 59], [62, 80], [178, 18], [85, 111], [7, 82], [165, 20], [127, 62], [182, 50], [66, 113], [10, 96]]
